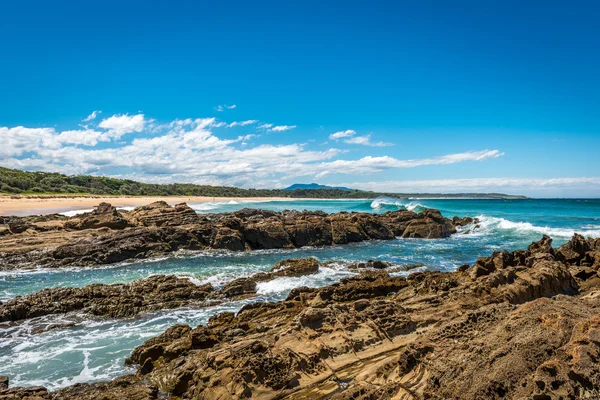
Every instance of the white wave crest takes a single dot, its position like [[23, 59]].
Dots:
[[381, 202], [489, 224]]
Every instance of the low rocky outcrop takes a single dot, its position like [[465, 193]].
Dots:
[[107, 235], [153, 293], [514, 325], [115, 301]]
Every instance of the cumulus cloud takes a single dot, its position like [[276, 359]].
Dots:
[[282, 128], [92, 116], [118, 125], [366, 141], [186, 150], [342, 134]]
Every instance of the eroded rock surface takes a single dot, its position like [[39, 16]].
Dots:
[[107, 235], [515, 325]]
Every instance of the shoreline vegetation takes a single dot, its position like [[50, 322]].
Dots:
[[25, 183]]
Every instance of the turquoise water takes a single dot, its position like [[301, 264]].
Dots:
[[94, 349]]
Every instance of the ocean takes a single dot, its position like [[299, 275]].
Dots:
[[95, 349]]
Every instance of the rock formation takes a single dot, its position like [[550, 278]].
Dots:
[[107, 235], [520, 325]]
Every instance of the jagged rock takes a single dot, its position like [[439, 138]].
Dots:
[[574, 250], [542, 246], [464, 221], [103, 216], [430, 225], [160, 213], [3, 382]]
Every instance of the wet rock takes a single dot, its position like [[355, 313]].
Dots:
[[3, 382], [239, 287], [430, 225], [464, 221], [295, 267]]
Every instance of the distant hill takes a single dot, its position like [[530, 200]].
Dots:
[[13, 181], [297, 186]]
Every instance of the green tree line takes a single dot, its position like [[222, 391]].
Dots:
[[14, 181]]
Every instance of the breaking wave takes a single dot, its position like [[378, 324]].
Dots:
[[490, 225], [392, 204]]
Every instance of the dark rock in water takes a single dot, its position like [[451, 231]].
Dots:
[[239, 287], [3, 382], [430, 225], [115, 301], [107, 235], [376, 264], [295, 267], [464, 221]]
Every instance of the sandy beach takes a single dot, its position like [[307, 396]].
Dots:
[[48, 204]]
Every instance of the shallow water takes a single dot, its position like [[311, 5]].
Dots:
[[94, 350]]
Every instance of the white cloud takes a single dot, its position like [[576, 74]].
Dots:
[[366, 141], [282, 128], [264, 126], [242, 123], [342, 134], [118, 125], [92, 116], [225, 107], [528, 186], [87, 137], [186, 150], [370, 164]]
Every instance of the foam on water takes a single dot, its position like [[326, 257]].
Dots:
[[488, 225]]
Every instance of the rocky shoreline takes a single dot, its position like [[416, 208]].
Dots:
[[108, 235], [520, 324]]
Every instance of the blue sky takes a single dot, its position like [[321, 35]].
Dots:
[[499, 96]]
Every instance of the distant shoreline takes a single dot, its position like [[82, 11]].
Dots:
[[22, 205], [39, 204]]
